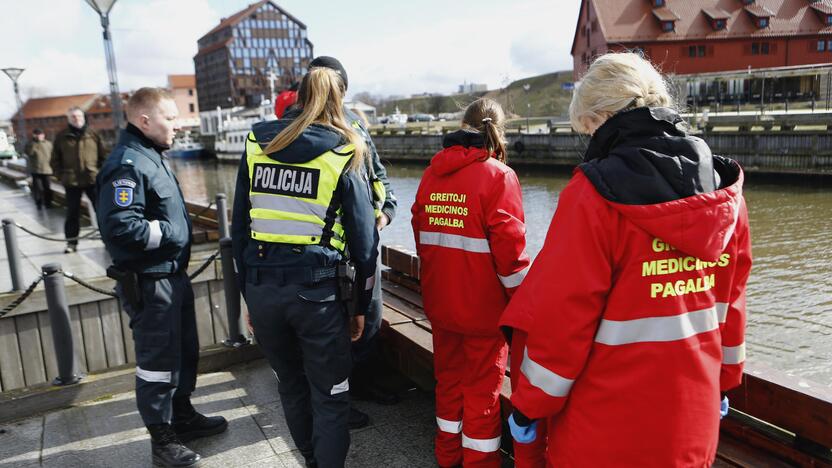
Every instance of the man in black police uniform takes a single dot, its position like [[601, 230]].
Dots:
[[145, 226], [364, 351]]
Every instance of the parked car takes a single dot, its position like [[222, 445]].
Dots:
[[420, 118]]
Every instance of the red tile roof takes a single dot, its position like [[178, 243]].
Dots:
[[181, 81], [822, 7], [716, 13], [759, 11], [665, 14], [55, 106], [633, 21]]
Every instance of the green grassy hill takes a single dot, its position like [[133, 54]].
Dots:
[[546, 96]]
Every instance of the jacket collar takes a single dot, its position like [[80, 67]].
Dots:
[[132, 137], [635, 124]]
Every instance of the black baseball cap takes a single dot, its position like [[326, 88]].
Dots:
[[331, 63]]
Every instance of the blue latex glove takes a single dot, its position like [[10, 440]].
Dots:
[[723, 407], [522, 434]]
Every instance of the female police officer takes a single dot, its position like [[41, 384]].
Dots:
[[302, 207]]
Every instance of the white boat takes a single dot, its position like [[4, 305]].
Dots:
[[186, 148], [230, 143], [6, 149]]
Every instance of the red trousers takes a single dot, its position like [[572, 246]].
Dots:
[[531, 455], [469, 373]]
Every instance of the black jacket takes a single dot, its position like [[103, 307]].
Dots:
[[136, 187], [352, 192], [645, 156]]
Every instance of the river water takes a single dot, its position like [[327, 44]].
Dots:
[[789, 291]]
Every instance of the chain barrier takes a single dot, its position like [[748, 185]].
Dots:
[[204, 265], [89, 286], [88, 236], [28, 292]]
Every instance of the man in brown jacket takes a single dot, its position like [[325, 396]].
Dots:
[[77, 154], [38, 152]]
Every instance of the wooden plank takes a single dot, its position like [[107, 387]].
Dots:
[[392, 317], [127, 333], [78, 339], [401, 260], [218, 310], [49, 359], [204, 324], [31, 351], [113, 334], [400, 279], [765, 393], [93, 337], [404, 308], [402, 292], [11, 366]]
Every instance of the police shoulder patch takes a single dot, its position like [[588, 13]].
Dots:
[[123, 196]]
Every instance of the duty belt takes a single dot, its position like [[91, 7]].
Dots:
[[283, 276]]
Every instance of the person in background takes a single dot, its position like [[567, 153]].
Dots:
[[622, 353], [147, 232], [363, 382], [285, 100], [470, 236], [302, 210], [77, 154], [38, 153]]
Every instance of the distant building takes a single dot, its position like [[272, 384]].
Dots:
[[362, 108], [49, 114], [235, 58], [183, 88], [468, 88], [779, 41]]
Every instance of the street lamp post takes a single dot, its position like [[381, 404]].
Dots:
[[526, 88], [103, 7], [13, 74]]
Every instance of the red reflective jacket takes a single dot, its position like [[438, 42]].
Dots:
[[635, 317], [470, 237]]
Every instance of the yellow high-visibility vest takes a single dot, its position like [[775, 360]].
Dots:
[[293, 203]]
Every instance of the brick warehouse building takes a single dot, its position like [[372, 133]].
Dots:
[[49, 114], [762, 38], [235, 58]]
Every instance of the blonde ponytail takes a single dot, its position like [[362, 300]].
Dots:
[[322, 94], [615, 82]]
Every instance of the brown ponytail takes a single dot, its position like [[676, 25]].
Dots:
[[487, 117]]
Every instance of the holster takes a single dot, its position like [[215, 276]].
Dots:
[[346, 286], [128, 281]]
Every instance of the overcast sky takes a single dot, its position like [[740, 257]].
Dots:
[[387, 47]]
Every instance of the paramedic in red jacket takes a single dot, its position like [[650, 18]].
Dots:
[[470, 236], [285, 100], [632, 319]]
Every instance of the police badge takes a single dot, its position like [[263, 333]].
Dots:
[[123, 196]]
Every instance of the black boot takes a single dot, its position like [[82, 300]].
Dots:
[[190, 424], [357, 419], [167, 450]]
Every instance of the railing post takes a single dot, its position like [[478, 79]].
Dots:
[[13, 254], [59, 322], [232, 296], [222, 215]]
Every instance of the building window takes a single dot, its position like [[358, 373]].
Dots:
[[829, 20], [760, 48], [658, 3], [747, 2], [821, 45], [667, 26], [696, 51], [191, 108], [762, 23], [190, 92], [764, 48], [720, 24]]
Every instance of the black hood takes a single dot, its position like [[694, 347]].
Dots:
[[645, 156], [313, 142], [463, 137]]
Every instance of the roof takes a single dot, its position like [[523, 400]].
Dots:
[[633, 21], [759, 11], [822, 7], [181, 81], [716, 13], [665, 14], [245, 12], [56, 106]]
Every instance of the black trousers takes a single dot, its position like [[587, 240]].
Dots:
[[304, 333], [41, 190], [73, 210], [364, 349], [166, 343]]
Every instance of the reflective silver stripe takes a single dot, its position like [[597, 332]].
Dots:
[[154, 239], [721, 311], [514, 280], [481, 445], [292, 205], [675, 327], [454, 241], [733, 354], [340, 388], [549, 382], [371, 281], [153, 376], [451, 427], [286, 227]]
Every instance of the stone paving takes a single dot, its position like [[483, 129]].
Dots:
[[109, 433]]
